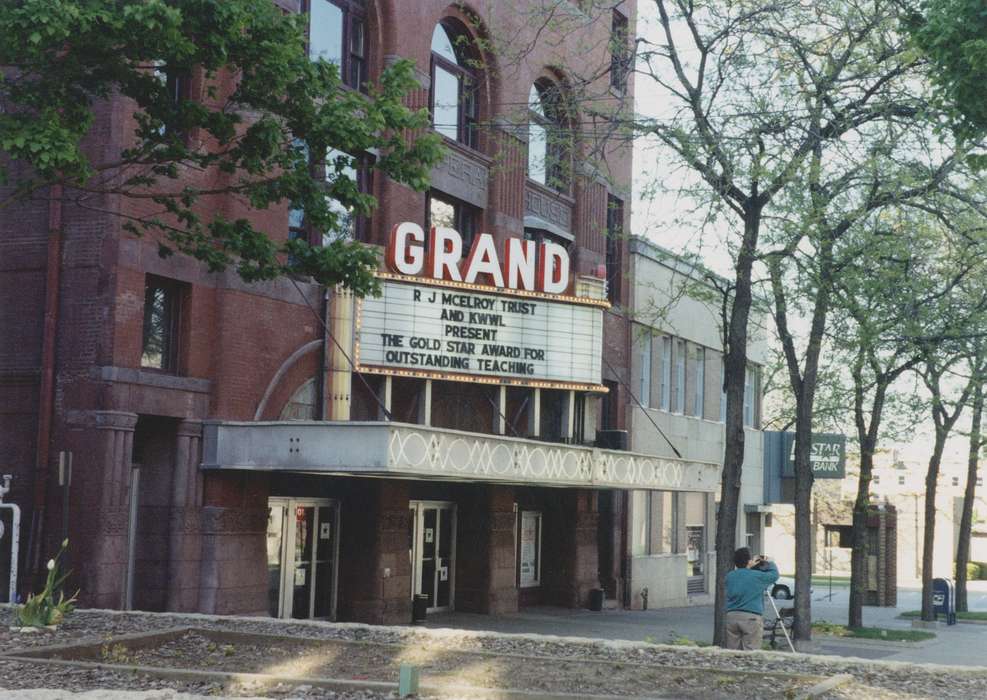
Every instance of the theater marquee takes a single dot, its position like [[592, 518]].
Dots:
[[451, 329]]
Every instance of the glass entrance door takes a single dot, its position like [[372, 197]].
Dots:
[[433, 547], [302, 551]]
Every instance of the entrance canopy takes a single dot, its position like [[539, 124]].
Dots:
[[401, 450]]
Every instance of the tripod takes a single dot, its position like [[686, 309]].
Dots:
[[780, 621]]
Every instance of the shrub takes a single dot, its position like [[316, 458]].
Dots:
[[42, 609]]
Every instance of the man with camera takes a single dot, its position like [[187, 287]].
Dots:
[[745, 599]]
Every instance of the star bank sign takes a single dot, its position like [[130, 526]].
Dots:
[[483, 315]]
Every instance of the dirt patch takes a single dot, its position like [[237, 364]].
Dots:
[[441, 666]]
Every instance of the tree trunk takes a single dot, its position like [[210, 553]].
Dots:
[[966, 519], [858, 556], [735, 366], [803, 380], [929, 536], [867, 437]]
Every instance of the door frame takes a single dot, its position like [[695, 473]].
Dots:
[[285, 600], [418, 508]]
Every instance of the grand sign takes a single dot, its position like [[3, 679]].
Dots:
[[484, 316], [521, 264]]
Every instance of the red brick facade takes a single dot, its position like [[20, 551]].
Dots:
[[244, 353]]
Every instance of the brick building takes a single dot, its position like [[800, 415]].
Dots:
[[236, 460]]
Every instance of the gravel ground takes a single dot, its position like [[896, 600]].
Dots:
[[872, 679]]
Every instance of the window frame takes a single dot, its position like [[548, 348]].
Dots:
[[463, 214], [558, 150], [679, 358], [699, 390], [354, 12], [665, 402], [468, 85], [620, 54], [615, 249], [171, 354], [363, 167]]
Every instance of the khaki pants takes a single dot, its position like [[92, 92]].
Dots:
[[744, 630]]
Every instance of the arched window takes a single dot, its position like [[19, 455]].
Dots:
[[454, 85], [548, 142]]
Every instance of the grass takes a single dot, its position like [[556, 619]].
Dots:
[[836, 630], [975, 615], [824, 581]]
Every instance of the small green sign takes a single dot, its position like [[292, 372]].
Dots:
[[828, 455]]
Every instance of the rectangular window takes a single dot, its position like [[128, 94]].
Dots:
[[750, 397], [349, 226], [839, 536], [325, 35], [162, 308], [615, 245], [876, 479], [655, 518], [644, 390], [956, 481], [980, 481], [666, 373], [679, 376], [619, 52], [451, 213], [337, 35], [699, 393], [723, 391], [901, 481]]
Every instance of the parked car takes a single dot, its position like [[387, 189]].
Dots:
[[784, 588]]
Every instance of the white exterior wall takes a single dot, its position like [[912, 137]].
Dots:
[[662, 300]]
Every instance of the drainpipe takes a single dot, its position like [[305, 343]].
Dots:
[[46, 403], [320, 379]]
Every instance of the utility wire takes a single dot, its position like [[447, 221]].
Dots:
[[373, 392], [641, 406]]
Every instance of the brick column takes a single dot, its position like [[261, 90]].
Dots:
[[185, 526], [569, 549], [107, 487], [233, 568]]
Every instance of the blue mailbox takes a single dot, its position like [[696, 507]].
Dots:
[[944, 599]]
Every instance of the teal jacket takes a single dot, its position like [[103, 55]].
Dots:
[[745, 588]]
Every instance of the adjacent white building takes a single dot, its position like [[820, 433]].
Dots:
[[677, 381]]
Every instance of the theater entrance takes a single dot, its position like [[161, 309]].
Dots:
[[432, 552], [302, 556]]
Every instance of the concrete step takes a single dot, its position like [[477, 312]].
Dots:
[[611, 604]]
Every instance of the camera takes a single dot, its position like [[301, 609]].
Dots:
[[760, 563]]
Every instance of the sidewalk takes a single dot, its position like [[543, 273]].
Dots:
[[960, 644]]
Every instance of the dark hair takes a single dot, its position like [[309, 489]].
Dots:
[[742, 557]]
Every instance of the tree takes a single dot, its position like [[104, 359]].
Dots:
[[953, 34], [976, 443], [762, 93], [265, 115], [937, 370], [885, 310]]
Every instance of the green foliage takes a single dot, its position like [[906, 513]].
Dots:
[[953, 34], [257, 109], [43, 609], [836, 630], [973, 571]]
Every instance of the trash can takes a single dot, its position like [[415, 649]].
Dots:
[[944, 599], [419, 607], [596, 599]]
